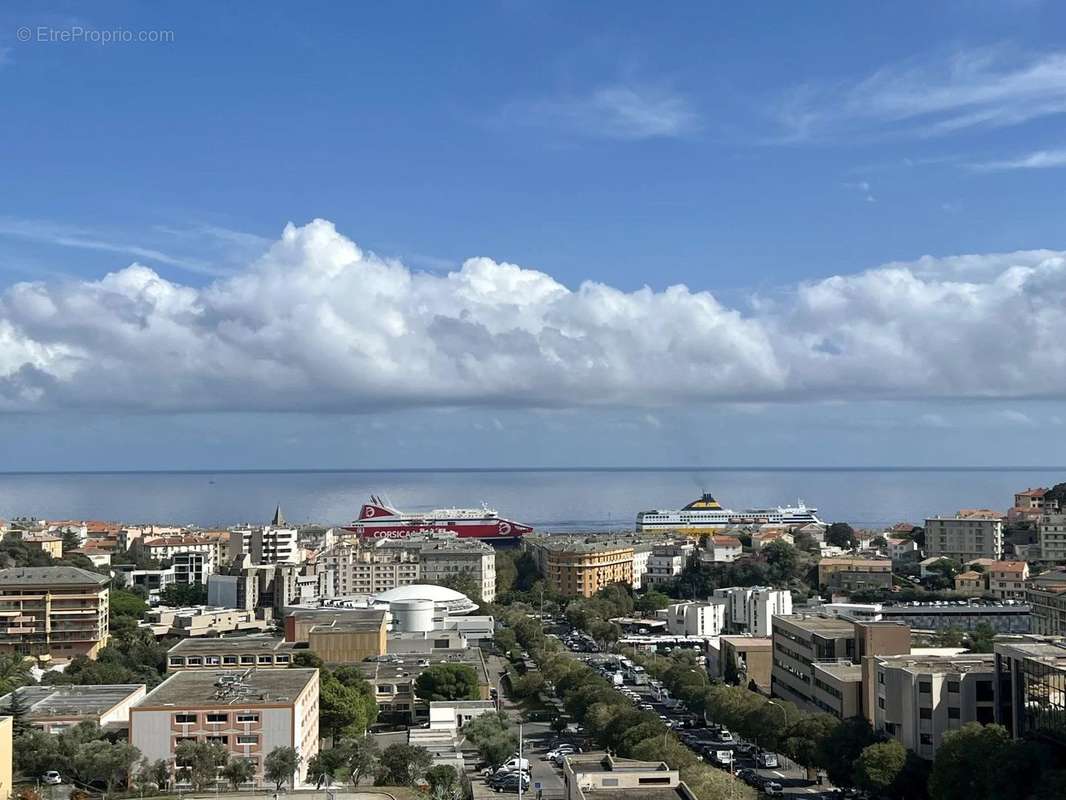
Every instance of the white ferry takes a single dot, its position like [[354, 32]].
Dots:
[[707, 514]]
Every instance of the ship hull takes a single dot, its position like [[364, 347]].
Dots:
[[490, 530]]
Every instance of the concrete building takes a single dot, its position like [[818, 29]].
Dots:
[[249, 712], [7, 754], [901, 551], [641, 556], [452, 715], [918, 699], [276, 543], [694, 619], [193, 567], [750, 609], [59, 612], [745, 658], [238, 652], [444, 558], [966, 536], [1006, 579], [854, 574], [47, 543], [393, 678], [665, 563], [1031, 686], [970, 582], [601, 776], [580, 567], [1006, 616], [1030, 499], [349, 640], [299, 622], [53, 709], [166, 548], [722, 549], [201, 621], [834, 645], [267, 588], [1051, 534], [1046, 596]]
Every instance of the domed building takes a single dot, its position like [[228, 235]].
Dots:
[[445, 600]]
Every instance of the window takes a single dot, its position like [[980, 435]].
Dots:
[[925, 713], [177, 661], [185, 719], [194, 661], [211, 661], [953, 687], [925, 738], [247, 740], [283, 659], [218, 717], [247, 659], [925, 687], [880, 702], [653, 781], [265, 659], [984, 692], [247, 718], [986, 715], [229, 659], [609, 782], [218, 740], [954, 712], [880, 677]]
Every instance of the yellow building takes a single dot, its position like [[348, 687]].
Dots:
[[970, 582], [47, 543], [6, 753], [59, 612], [855, 573], [584, 569]]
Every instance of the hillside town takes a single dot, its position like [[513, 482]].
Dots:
[[814, 660]]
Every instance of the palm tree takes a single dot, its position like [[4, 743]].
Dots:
[[14, 672]]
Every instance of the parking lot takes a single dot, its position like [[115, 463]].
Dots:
[[771, 773]]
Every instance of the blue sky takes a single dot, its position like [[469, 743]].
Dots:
[[772, 160]]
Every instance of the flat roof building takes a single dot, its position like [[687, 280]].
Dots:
[[248, 712], [1031, 686], [393, 678], [53, 709], [970, 534], [602, 776], [60, 612]]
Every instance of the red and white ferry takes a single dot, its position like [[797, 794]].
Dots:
[[379, 520]]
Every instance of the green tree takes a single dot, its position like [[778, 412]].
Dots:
[[843, 746], [239, 771], [840, 534], [280, 765], [323, 765], [880, 765], [71, 541], [980, 762], [154, 773], [447, 682], [402, 765], [340, 709], [14, 672], [464, 583], [305, 659], [183, 595], [104, 762], [651, 602], [362, 757], [198, 762], [805, 739], [981, 638], [506, 572], [443, 782], [125, 604]]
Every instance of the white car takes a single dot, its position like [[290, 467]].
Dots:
[[51, 778], [723, 757], [725, 736], [559, 751]]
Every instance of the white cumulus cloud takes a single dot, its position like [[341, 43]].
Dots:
[[317, 324]]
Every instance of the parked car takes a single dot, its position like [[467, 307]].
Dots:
[[745, 748], [745, 774], [723, 758], [725, 736], [514, 762], [511, 784], [51, 778], [773, 789], [766, 760]]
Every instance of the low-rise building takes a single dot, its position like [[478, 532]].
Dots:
[[1006, 579], [854, 574], [601, 776], [745, 658], [919, 699], [47, 543], [767, 535], [1030, 499], [238, 652], [1003, 616], [201, 621], [666, 563], [722, 549], [970, 582], [53, 709], [60, 612], [393, 678], [970, 534], [695, 618], [903, 550], [248, 712], [1046, 596]]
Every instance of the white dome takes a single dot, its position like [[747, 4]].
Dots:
[[444, 599], [421, 591]]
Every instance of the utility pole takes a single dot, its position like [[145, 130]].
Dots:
[[521, 772]]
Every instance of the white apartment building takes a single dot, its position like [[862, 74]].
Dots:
[[724, 549], [1051, 533], [372, 567], [966, 536], [750, 609], [665, 563], [191, 567], [918, 699], [641, 555], [695, 619]]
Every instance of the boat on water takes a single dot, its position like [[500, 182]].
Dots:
[[706, 514], [379, 520]]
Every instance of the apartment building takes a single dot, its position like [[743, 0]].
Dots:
[[970, 582], [370, 568], [1031, 686], [47, 543], [169, 547], [818, 660], [722, 549], [248, 712], [850, 574], [920, 698], [1030, 499], [1051, 534], [267, 587], [54, 709], [666, 563], [695, 619], [968, 535], [641, 556], [1003, 579], [1046, 596], [750, 609], [442, 557], [580, 567], [276, 543], [60, 612], [193, 567]]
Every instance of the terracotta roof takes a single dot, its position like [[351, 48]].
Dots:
[[726, 541], [969, 576], [1039, 492], [176, 541]]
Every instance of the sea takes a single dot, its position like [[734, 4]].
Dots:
[[553, 500]]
